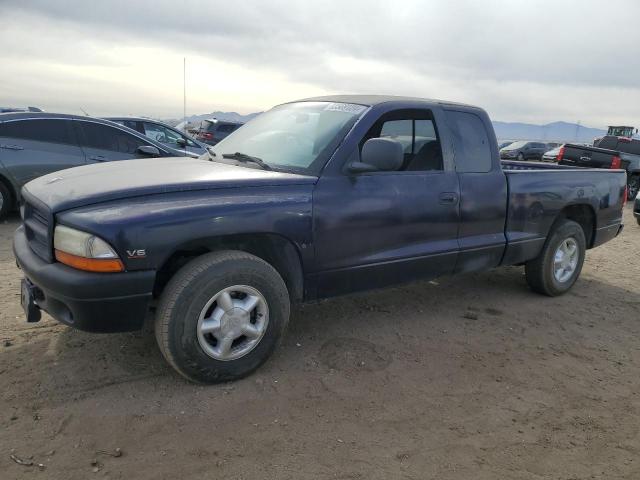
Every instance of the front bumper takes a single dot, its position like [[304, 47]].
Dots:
[[94, 302]]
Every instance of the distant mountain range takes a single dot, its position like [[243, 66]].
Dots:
[[551, 132]]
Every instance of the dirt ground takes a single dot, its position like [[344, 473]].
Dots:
[[470, 377]]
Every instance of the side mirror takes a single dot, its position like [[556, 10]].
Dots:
[[379, 155], [148, 151], [181, 142]]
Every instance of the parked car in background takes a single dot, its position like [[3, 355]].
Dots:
[[188, 128], [213, 130], [551, 155], [33, 144], [523, 150], [636, 210], [621, 144], [597, 157], [19, 109], [172, 138], [620, 131], [312, 199]]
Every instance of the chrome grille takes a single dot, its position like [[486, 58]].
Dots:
[[38, 228]]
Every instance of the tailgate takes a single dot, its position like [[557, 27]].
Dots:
[[588, 157]]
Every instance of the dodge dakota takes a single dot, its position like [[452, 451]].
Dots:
[[312, 199]]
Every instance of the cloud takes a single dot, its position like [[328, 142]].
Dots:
[[522, 60]]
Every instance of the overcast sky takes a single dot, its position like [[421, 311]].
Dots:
[[531, 61]]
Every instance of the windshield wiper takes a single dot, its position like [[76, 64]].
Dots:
[[211, 154], [243, 157]]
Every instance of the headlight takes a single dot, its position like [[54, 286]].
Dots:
[[84, 251]]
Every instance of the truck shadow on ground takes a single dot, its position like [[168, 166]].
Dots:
[[356, 334]]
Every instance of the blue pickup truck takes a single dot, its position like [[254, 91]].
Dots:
[[312, 199]]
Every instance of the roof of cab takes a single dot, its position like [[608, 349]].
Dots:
[[371, 100]]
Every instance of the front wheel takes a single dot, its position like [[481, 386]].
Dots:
[[558, 266], [633, 185], [221, 316], [520, 157], [5, 200]]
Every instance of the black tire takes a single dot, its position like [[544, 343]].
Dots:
[[6, 200], [540, 271], [187, 294], [633, 185], [521, 157], [638, 220]]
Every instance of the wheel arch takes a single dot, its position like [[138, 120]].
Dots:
[[584, 215], [12, 190], [275, 249]]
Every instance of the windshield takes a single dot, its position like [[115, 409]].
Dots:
[[515, 145], [296, 137]]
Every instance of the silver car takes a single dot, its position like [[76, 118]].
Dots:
[[33, 144], [552, 155]]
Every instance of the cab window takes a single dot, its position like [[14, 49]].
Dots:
[[416, 132]]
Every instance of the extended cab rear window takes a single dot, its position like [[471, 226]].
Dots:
[[471, 142]]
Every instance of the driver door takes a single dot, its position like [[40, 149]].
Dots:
[[383, 228]]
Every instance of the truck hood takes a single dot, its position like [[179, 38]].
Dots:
[[104, 182]]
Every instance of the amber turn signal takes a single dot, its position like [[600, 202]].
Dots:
[[90, 264]]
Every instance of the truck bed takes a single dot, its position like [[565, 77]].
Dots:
[[508, 165], [537, 193]]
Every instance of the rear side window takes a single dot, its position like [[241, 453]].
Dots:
[[471, 142], [227, 128], [52, 130], [104, 137]]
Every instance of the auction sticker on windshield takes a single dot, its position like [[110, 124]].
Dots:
[[346, 108]]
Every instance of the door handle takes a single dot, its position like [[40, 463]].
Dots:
[[448, 198], [12, 147], [97, 158]]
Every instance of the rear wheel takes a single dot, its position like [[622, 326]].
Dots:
[[221, 316], [558, 266], [633, 185], [6, 201]]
